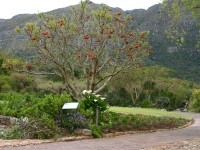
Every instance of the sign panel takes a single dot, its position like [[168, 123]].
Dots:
[[72, 105]]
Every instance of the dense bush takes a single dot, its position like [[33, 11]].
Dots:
[[96, 131], [119, 122], [44, 114], [5, 83], [164, 99], [74, 120], [119, 97], [37, 128], [23, 82], [92, 103], [195, 101]]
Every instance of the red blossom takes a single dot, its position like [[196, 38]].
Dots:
[[131, 34], [142, 34], [33, 38], [49, 36], [60, 22], [97, 41], [29, 67], [93, 58], [101, 31], [119, 13], [149, 50], [88, 74], [122, 35], [90, 54], [117, 19], [10, 67], [131, 47], [138, 44], [86, 37], [126, 42], [111, 31], [44, 33], [129, 55]]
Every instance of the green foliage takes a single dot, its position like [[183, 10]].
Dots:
[[108, 34], [90, 104], [40, 128], [51, 105], [13, 133], [119, 97], [181, 7], [148, 87], [119, 122], [96, 131], [22, 82], [94, 102], [195, 101], [18, 83], [73, 120], [16, 104], [5, 83], [44, 114]]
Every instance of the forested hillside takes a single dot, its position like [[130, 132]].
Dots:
[[184, 58]]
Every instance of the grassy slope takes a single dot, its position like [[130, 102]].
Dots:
[[146, 111]]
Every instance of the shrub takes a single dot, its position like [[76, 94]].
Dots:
[[93, 102], [40, 128], [74, 120], [44, 114], [195, 101], [119, 97], [96, 131], [5, 83], [51, 105], [120, 122], [23, 82], [17, 105]]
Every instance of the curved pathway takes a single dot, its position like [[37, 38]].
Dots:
[[125, 142]]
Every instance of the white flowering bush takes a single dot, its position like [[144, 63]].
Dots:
[[94, 101]]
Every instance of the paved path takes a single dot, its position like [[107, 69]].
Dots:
[[125, 142]]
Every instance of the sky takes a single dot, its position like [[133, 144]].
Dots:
[[10, 8]]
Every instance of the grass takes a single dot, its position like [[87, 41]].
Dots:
[[147, 111]]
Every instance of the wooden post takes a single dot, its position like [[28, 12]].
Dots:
[[97, 116]]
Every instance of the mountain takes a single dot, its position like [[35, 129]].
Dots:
[[184, 59]]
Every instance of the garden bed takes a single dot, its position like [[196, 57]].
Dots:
[[115, 122]]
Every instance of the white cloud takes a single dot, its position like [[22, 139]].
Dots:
[[10, 8]]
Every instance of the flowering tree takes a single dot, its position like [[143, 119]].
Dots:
[[98, 43]]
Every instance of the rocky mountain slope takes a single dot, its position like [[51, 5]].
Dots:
[[184, 59]]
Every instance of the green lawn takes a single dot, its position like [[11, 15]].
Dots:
[[146, 111]]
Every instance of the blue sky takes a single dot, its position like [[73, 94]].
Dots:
[[9, 8]]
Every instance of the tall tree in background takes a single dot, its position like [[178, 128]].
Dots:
[[88, 47]]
